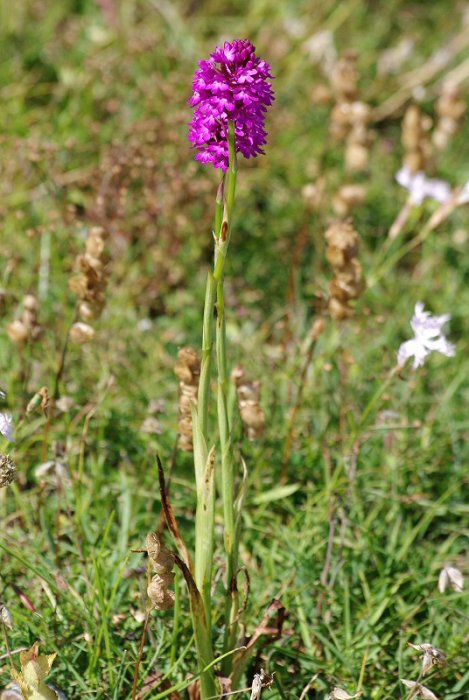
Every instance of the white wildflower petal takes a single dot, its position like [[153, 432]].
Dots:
[[421, 187], [412, 348], [6, 426], [428, 337], [404, 177], [441, 345]]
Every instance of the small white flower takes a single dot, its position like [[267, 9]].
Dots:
[[421, 187], [452, 576], [6, 426], [428, 337]]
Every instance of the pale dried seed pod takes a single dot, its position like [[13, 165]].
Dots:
[[357, 147], [81, 333], [5, 617], [18, 332], [248, 395], [450, 576], [27, 327], [187, 369]]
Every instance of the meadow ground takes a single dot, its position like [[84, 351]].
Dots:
[[357, 490]]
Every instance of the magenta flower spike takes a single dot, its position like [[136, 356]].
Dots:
[[233, 85]]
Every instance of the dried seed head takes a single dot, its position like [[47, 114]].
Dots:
[[89, 284], [81, 333], [7, 470], [248, 393], [162, 562], [450, 576]]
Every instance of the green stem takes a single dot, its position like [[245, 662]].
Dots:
[[204, 525], [204, 517], [227, 458]]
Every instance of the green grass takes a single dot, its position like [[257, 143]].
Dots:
[[93, 131]]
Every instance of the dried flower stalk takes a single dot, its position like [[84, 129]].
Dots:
[[248, 394], [89, 284], [187, 368], [348, 282]]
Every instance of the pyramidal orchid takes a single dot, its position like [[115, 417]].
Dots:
[[231, 94], [232, 85]]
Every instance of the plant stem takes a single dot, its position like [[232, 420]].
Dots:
[[204, 525], [204, 478], [224, 427]]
